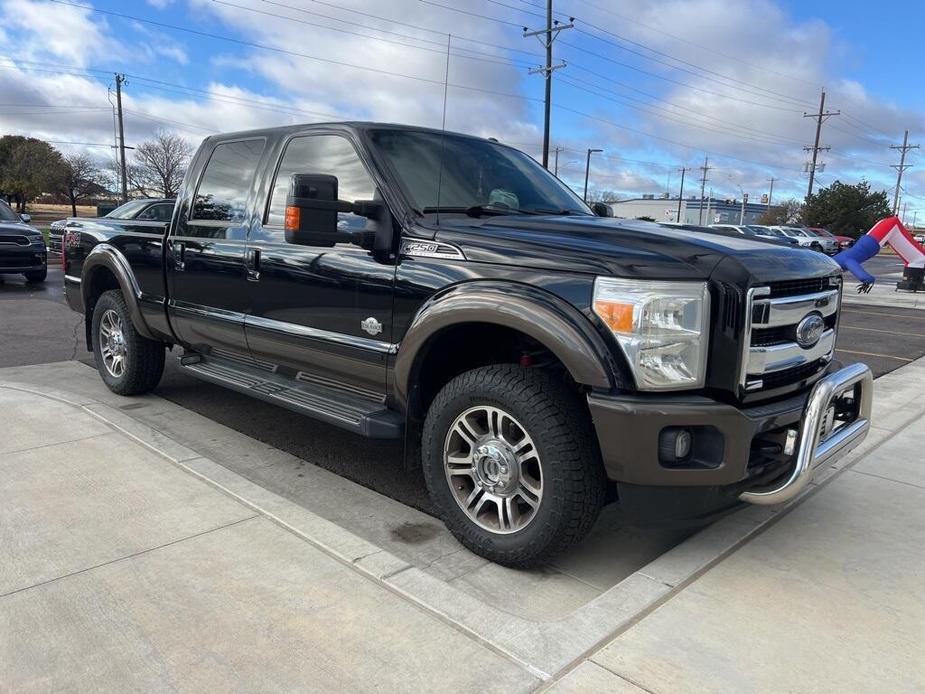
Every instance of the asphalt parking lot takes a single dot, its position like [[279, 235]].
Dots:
[[37, 327]]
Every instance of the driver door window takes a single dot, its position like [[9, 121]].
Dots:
[[322, 154]]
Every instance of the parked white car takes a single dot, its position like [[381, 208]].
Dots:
[[803, 237]]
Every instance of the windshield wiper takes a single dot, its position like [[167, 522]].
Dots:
[[474, 211]]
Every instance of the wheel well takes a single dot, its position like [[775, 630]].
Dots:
[[460, 348], [102, 280]]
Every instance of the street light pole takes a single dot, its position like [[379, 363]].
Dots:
[[588, 170]]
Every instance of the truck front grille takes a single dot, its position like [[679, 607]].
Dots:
[[773, 356]]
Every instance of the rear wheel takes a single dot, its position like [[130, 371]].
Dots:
[[512, 464], [36, 275], [128, 362]]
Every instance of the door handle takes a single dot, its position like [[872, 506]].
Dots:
[[179, 256], [253, 264]]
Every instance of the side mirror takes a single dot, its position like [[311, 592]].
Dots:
[[26, 218], [311, 213], [602, 209]]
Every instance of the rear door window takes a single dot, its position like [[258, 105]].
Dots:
[[226, 184]]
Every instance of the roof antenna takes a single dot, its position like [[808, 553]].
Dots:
[[446, 84]]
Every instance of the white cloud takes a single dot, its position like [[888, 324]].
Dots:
[[63, 31], [739, 56]]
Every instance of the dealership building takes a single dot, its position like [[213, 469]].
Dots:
[[693, 210]]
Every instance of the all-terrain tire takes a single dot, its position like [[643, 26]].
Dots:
[[573, 481], [144, 358], [36, 275]]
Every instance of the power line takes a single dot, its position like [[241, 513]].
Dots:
[[661, 53], [674, 116], [661, 32], [479, 55], [674, 81], [794, 100], [684, 109]]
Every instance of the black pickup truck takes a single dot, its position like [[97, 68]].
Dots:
[[538, 359]]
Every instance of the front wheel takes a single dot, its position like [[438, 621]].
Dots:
[[512, 464], [128, 362], [36, 275]]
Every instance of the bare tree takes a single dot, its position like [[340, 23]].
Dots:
[[80, 178], [603, 195], [788, 212], [159, 165]]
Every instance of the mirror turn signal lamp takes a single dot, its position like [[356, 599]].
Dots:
[[618, 316], [293, 218]]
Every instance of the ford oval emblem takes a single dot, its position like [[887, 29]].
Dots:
[[810, 330]]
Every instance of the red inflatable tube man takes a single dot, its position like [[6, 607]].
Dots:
[[887, 231]]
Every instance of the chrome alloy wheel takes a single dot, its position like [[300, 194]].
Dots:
[[112, 343], [493, 469]]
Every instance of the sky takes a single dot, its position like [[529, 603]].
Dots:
[[657, 84]]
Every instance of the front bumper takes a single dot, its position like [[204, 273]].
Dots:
[[763, 454], [25, 260]]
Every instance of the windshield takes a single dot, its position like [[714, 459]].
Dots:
[[6, 214], [128, 210], [794, 233], [476, 174]]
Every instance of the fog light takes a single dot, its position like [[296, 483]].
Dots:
[[674, 444]]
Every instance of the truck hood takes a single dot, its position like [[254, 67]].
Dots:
[[623, 248], [18, 229]]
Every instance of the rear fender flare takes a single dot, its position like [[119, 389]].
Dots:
[[104, 255], [548, 319]]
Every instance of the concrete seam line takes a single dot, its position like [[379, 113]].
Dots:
[[57, 443], [129, 556], [417, 602], [754, 532], [888, 479]]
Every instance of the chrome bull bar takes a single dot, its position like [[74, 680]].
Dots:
[[812, 450]]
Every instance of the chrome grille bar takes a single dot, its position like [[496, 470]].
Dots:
[[790, 310]]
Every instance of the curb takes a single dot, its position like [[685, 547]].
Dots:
[[545, 649]]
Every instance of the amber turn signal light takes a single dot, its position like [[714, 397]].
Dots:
[[617, 316], [293, 218]]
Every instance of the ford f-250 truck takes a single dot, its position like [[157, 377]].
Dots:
[[538, 359]]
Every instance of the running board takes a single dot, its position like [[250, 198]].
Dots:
[[344, 409]]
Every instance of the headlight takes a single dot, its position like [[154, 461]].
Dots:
[[661, 327]]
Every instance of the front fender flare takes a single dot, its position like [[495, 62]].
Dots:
[[551, 321], [104, 255]]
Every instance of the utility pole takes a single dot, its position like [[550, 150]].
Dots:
[[771, 190], [820, 117], [742, 213], [549, 34], [902, 166], [120, 80], [684, 170], [703, 184], [556, 169], [588, 170]]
